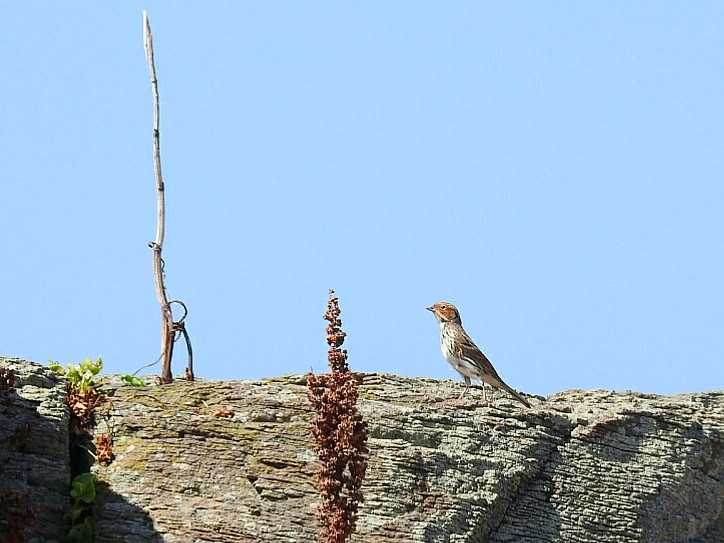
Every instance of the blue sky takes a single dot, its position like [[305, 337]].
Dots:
[[554, 169]]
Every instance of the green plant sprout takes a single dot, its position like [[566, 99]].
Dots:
[[80, 376], [83, 492], [133, 380]]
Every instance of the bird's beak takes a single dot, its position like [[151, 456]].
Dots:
[[430, 308]]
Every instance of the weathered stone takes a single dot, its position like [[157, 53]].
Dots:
[[583, 466], [233, 461], [34, 455]]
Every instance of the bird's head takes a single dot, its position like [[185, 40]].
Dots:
[[445, 312]]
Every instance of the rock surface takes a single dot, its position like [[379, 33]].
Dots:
[[232, 461], [34, 455]]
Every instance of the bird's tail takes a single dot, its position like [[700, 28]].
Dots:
[[515, 394]]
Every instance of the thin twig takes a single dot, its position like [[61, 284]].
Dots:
[[148, 365], [157, 245], [179, 328], [189, 374]]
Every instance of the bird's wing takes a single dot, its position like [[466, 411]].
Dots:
[[470, 352], [467, 350]]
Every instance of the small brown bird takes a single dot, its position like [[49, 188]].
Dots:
[[462, 353]]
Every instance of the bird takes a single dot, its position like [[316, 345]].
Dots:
[[461, 352]]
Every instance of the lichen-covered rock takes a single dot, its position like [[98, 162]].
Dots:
[[34, 455], [232, 461]]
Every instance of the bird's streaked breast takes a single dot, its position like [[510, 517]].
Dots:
[[448, 340]]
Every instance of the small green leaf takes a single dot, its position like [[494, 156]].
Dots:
[[133, 380], [72, 373], [84, 487], [57, 368], [90, 367]]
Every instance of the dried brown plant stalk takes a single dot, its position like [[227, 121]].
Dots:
[[340, 436], [82, 405], [104, 448]]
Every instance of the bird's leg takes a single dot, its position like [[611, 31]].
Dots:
[[467, 386]]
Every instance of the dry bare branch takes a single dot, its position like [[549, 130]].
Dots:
[[168, 326]]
